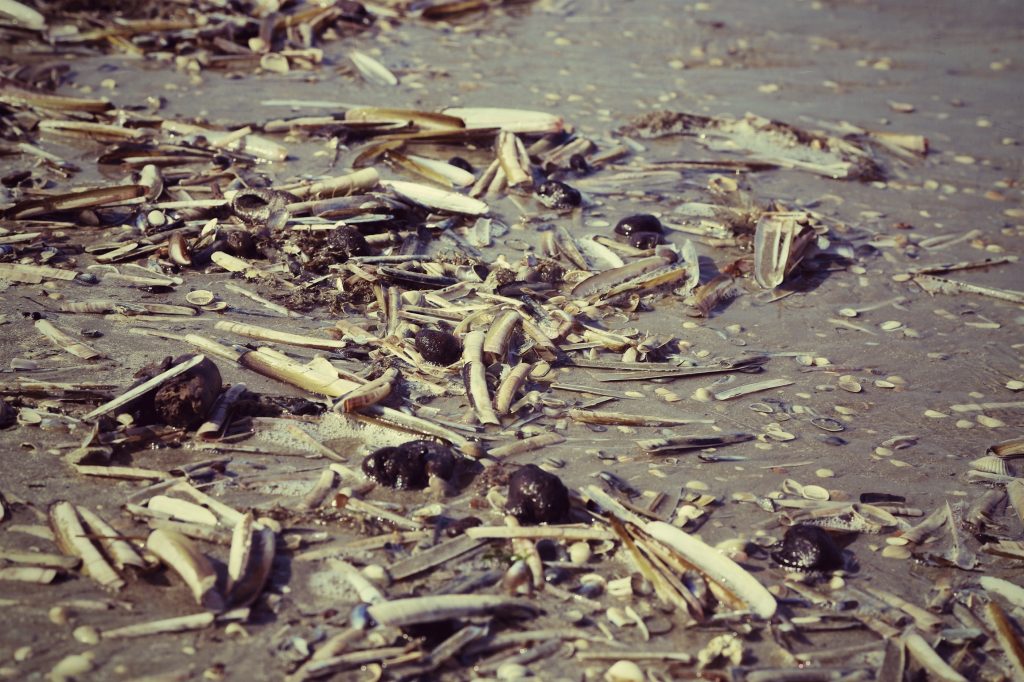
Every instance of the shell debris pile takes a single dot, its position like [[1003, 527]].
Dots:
[[370, 392]]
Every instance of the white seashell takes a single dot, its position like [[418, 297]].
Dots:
[[511, 120], [580, 553], [182, 510], [621, 587], [459, 177], [992, 464], [815, 492], [848, 383], [440, 199], [199, 297], [372, 70], [617, 617], [716, 566], [624, 671], [72, 667]]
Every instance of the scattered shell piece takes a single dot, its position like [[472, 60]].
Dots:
[[890, 325], [824, 473], [990, 422], [849, 383], [200, 297], [624, 671], [896, 552]]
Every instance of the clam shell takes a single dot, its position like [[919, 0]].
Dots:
[[992, 464], [199, 297], [848, 383], [816, 492]]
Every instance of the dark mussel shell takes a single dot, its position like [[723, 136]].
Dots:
[[410, 465], [535, 496], [460, 162], [438, 347], [808, 548], [644, 240], [640, 222], [558, 195]]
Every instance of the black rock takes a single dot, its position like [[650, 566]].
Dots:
[[410, 465], [808, 548], [438, 347], [347, 241], [535, 496], [558, 195]]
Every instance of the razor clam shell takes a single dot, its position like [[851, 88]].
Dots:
[[371, 69], [418, 610], [772, 240], [747, 389], [511, 120], [661, 446], [435, 198], [1015, 493], [716, 567], [1009, 449]]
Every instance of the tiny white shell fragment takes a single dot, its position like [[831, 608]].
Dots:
[[72, 667], [890, 325], [896, 552], [580, 553], [990, 422], [86, 634], [624, 671]]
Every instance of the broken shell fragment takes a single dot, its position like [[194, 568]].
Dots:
[[536, 496], [182, 555]]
